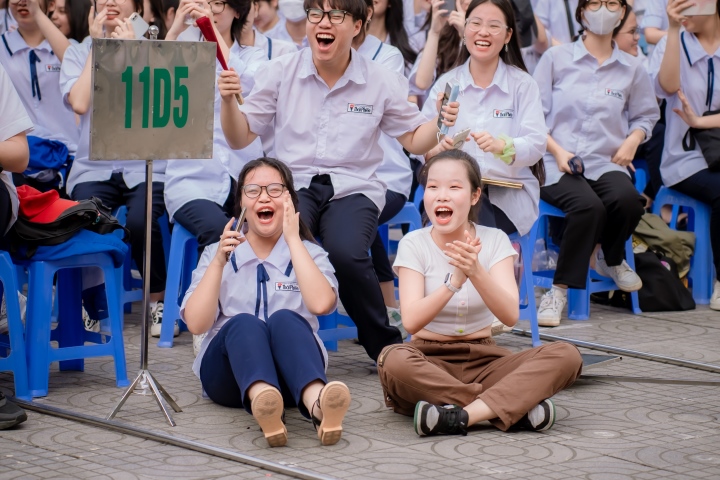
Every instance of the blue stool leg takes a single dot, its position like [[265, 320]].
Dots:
[[17, 360], [328, 322], [630, 258], [70, 326], [37, 325], [527, 246], [113, 280], [579, 302], [183, 251]]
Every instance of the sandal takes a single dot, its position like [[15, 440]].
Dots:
[[333, 401], [268, 409]]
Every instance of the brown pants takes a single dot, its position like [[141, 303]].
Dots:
[[444, 373]]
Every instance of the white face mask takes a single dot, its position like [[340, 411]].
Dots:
[[602, 21], [293, 10]]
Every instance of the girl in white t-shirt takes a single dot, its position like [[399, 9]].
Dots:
[[455, 279]]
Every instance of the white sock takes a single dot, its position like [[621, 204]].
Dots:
[[559, 291]]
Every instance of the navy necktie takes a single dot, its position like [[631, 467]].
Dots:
[[34, 83], [262, 279]]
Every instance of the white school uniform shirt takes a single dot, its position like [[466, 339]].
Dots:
[[44, 105], [273, 48], [395, 171], [279, 32], [188, 180], [331, 131], [13, 120], [466, 312], [7, 22], [677, 164], [241, 291], [655, 16], [590, 109], [553, 16], [83, 169], [510, 105]]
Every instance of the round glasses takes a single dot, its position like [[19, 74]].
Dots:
[[612, 5], [273, 190], [493, 27], [315, 15], [635, 32], [217, 6]]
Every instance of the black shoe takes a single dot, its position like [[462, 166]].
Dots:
[[10, 414], [540, 418], [435, 419]]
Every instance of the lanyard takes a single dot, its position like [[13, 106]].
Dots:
[[377, 51], [710, 75], [34, 83]]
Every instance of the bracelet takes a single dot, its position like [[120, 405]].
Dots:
[[508, 152]]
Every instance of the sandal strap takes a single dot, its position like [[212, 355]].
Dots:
[[315, 421]]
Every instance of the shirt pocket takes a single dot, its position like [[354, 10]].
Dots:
[[354, 134]]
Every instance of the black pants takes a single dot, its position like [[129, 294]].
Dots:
[[206, 219], [705, 186], [492, 216], [394, 202], [605, 211], [346, 228], [115, 193], [651, 152], [5, 212]]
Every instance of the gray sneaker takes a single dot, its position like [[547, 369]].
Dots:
[[624, 277], [156, 313], [22, 300], [396, 321], [551, 307], [540, 418]]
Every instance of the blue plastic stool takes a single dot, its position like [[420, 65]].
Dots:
[[528, 307], [16, 360], [702, 272], [70, 332], [579, 300], [184, 252], [330, 331], [418, 198], [409, 215]]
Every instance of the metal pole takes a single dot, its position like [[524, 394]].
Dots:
[[624, 351], [146, 266]]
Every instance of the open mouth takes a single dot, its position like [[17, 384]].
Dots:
[[482, 44], [443, 215], [112, 13], [325, 39], [266, 214]]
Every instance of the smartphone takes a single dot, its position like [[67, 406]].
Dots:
[[140, 26], [459, 138], [239, 224], [448, 5], [701, 7], [450, 95]]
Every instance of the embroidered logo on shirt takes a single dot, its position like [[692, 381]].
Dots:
[[615, 93], [286, 287], [53, 68], [358, 108], [502, 113]]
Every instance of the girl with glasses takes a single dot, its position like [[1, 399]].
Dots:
[[257, 295], [599, 108]]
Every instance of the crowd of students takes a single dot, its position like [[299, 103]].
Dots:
[[347, 95]]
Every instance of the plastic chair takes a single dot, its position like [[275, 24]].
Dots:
[[409, 215], [70, 332], [579, 300], [330, 331], [184, 252], [528, 307], [16, 360], [418, 199], [702, 272]]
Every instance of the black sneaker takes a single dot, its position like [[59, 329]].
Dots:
[[540, 418], [10, 414], [435, 419]]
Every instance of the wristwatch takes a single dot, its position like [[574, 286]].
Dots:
[[449, 285]]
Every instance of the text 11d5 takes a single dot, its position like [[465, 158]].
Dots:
[[165, 92]]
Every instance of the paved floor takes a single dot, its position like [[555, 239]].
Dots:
[[606, 429]]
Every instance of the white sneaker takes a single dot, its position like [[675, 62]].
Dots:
[[551, 307], [156, 312], [624, 277], [197, 342], [715, 299], [91, 325], [22, 300], [396, 321], [498, 328]]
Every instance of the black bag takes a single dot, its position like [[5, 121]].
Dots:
[[709, 141], [26, 236], [662, 290]]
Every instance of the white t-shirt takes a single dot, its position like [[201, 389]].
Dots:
[[13, 120], [466, 311]]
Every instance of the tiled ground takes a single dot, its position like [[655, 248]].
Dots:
[[606, 429]]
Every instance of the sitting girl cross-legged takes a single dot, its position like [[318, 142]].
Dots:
[[455, 278], [262, 350]]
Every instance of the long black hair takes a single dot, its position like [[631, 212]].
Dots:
[[398, 35], [512, 56], [242, 8], [287, 180], [77, 14]]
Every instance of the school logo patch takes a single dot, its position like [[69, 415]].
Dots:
[[503, 113], [53, 68], [359, 108], [615, 93], [286, 287]]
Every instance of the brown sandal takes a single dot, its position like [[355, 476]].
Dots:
[[267, 408], [333, 401]]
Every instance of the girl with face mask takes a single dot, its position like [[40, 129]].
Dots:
[[291, 26], [599, 108]]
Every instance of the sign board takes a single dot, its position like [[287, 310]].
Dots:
[[152, 100]]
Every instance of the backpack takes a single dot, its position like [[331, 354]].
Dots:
[[44, 219]]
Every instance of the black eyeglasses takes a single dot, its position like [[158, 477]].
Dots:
[[273, 190], [217, 7], [316, 15], [612, 5], [635, 32]]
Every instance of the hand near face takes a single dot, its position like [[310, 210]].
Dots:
[[291, 219], [229, 241]]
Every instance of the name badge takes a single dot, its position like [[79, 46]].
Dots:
[[359, 108], [286, 287], [53, 68], [615, 93], [503, 113]]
